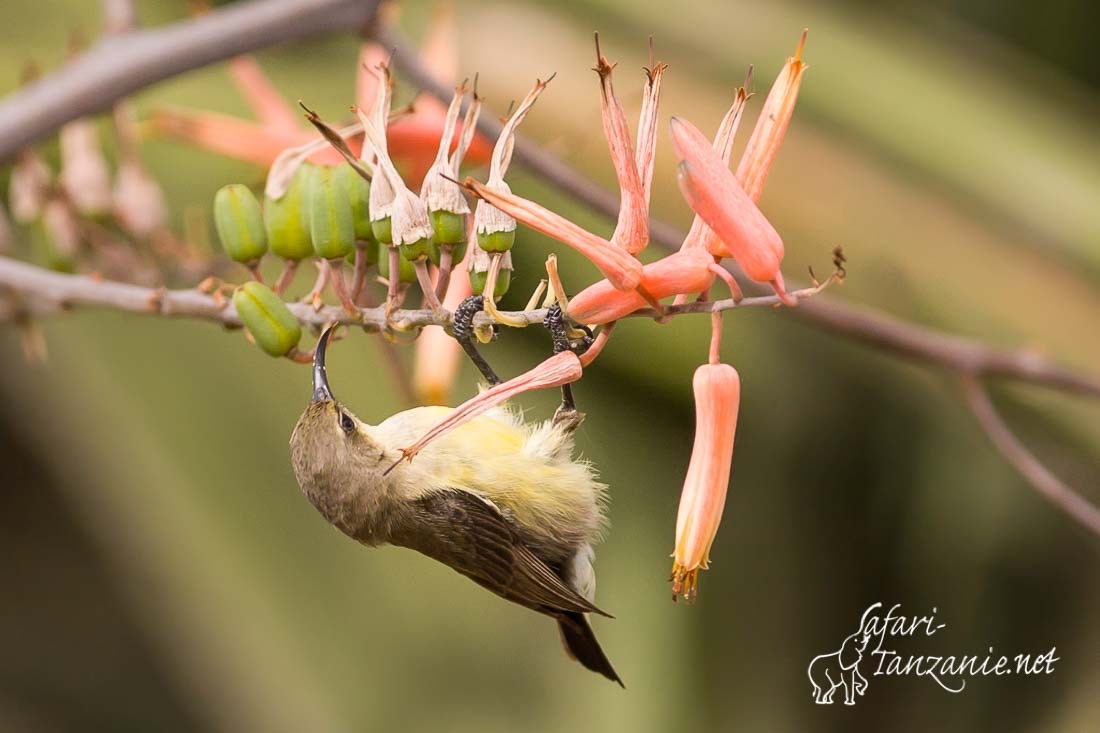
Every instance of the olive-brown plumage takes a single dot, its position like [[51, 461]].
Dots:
[[497, 500]]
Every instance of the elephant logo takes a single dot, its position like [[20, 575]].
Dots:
[[827, 672]]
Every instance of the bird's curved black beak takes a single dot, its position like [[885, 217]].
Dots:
[[321, 390]]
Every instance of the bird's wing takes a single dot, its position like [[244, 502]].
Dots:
[[468, 533]]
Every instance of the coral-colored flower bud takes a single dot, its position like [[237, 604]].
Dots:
[[686, 271], [771, 126], [711, 190], [717, 398], [700, 235]]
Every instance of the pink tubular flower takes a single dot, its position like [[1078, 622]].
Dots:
[[715, 195], [772, 124], [620, 268], [701, 235], [686, 271], [717, 397], [562, 368], [413, 138], [633, 171]]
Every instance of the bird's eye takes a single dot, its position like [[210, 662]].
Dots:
[[347, 424]]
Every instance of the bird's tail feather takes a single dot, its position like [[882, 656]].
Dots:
[[580, 644]]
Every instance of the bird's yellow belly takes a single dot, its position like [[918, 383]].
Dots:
[[499, 457]]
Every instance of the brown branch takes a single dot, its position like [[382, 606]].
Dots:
[[918, 343], [28, 290], [1031, 468], [121, 64]]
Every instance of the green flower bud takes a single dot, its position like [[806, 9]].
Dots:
[[415, 251], [406, 273], [496, 241], [331, 223], [287, 219], [504, 281], [265, 315], [383, 230], [359, 194], [448, 228], [240, 223], [458, 253]]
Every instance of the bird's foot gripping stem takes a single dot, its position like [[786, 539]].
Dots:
[[464, 333], [566, 338]]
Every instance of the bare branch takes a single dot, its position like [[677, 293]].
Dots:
[[877, 329], [124, 63], [28, 290], [1030, 467]]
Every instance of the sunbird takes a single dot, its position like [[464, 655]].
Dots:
[[500, 501]]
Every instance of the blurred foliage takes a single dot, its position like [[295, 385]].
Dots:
[[167, 574]]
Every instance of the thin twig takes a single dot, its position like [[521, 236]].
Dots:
[[29, 290], [1031, 468], [41, 291]]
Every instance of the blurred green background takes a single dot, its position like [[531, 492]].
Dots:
[[163, 572]]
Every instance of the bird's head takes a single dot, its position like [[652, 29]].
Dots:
[[330, 447]]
